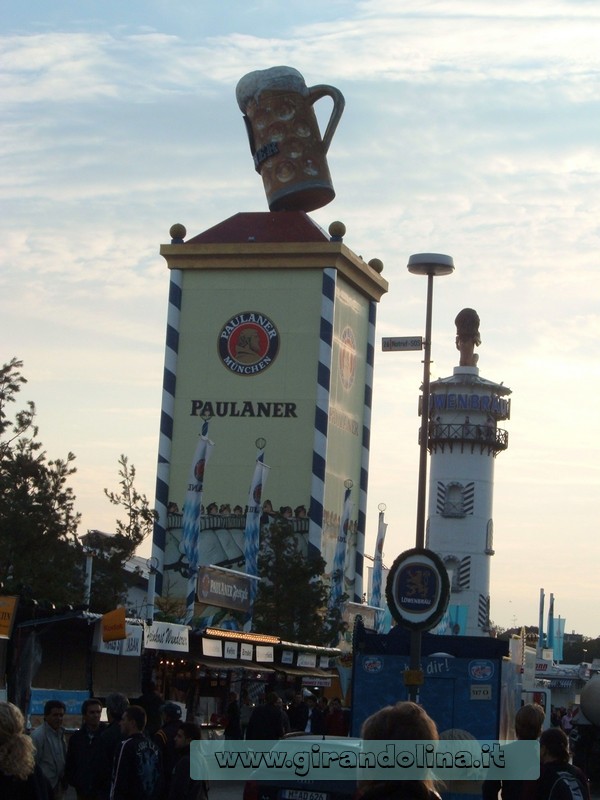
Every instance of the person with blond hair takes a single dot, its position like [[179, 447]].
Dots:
[[20, 778], [403, 721]]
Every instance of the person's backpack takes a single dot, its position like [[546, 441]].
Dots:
[[567, 786]]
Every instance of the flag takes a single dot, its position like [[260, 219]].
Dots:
[[339, 558], [559, 635], [550, 627], [252, 530], [378, 571], [190, 541], [540, 643]]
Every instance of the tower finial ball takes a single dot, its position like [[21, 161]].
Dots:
[[178, 231], [376, 264], [337, 229]]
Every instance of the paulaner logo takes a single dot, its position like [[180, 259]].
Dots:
[[248, 343]]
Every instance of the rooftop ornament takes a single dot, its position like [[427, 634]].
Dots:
[[467, 336], [285, 140]]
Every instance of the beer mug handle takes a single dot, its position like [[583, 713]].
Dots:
[[316, 93]]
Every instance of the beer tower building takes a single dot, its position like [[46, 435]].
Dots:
[[270, 335], [270, 341], [464, 439]]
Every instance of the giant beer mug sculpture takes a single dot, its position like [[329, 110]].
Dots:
[[285, 140]]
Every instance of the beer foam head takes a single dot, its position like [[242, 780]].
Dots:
[[274, 79]]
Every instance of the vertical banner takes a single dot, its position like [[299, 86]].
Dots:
[[559, 635], [540, 642], [191, 516], [378, 571], [339, 559], [550, 626], [252, 531]]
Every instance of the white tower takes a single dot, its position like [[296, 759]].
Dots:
[[464, 439]]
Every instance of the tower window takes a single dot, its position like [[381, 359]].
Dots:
[[452, 564], [489, 538], [455, 499]]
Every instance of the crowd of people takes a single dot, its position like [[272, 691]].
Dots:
[[115, 760], [558, 778], [125, 759], [272, 719], [142, 752]]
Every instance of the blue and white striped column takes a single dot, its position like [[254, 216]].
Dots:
[[319, 460], [364, 466], [165, 443]]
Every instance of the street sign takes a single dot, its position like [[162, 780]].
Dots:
[[393, 343]]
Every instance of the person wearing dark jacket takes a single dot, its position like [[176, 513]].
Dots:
[[151, 701], [110, 740], [137, 771], [233, 728], [315, 719], [559, 780], [83, 763], [529, 720], [164, 738], [182, 785], [268, 721], [297, 713]]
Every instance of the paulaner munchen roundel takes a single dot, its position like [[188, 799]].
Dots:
[[248, 343]]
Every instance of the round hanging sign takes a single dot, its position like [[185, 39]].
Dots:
[[418, 589]]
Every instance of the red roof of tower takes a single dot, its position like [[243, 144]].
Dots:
[[277, 226]]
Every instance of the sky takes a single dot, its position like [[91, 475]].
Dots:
[[471, 129]]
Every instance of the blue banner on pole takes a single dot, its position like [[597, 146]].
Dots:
[[191, 516], [339, 558], [252, 531]]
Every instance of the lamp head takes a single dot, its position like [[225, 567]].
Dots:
[[430, 264]]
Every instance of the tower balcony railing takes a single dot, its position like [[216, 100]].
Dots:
[[466, 435]]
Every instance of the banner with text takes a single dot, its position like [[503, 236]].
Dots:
[[224, 588], [130, 646], [166, 636]]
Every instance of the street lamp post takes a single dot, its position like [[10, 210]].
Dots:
[[430, 264]]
